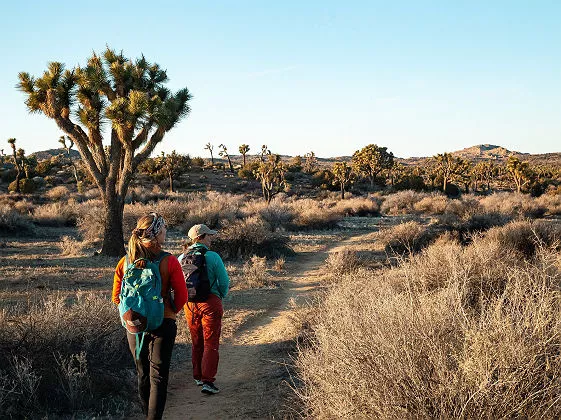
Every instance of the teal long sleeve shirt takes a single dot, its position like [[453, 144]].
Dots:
[[217, 274]]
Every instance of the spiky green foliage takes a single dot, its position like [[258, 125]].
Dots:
[[519, 171], [343, 174], [371, 160], [243, 149], [271, 174], [224, 153], [126, 95]]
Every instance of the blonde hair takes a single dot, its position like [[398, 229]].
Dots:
[[141, 246]]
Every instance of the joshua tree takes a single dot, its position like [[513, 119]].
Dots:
[[371, 160], [343, 174], [310, 163], [520, 172], [210, 148], [244, 148], [224, 153], [172, 166], [264, 151], [67, 148], [271, 174], [448, 166], [17, 162], [2, 156], [132, 97]]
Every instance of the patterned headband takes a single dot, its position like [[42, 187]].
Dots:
[[153, 230]]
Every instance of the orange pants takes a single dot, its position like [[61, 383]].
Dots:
[[205, 325]]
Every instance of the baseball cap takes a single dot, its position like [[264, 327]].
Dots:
[[199, 230]]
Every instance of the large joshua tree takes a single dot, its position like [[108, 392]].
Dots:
[[128, 94]]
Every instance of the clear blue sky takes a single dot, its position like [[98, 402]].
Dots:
[[420, 77]]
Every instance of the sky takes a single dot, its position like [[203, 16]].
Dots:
[[418, 77]]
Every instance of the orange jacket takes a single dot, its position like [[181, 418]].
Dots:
[[172, 276]]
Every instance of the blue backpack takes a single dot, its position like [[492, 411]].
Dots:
[[141, 306]]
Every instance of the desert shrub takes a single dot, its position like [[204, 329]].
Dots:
[[62, 357], [551, 202], [276, 214], [311, 214], [24, 206], [513, 204], [57, 193], [454, 332], [357, 207], [526, 237], [70, 246], [56, 214], [406, 238], [254, 273], [13, 222], [91, 221], [279, 264], [26, 186], [250, 236], [433, 204], [403, 202], [339, 263]]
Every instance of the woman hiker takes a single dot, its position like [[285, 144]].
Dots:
[[205, 317], [154, 357]]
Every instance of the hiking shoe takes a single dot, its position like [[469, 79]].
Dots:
[[198, 382], [209, 388]]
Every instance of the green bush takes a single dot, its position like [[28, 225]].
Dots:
[[26, 186]]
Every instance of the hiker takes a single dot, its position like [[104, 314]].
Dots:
[[204, 313], [152, 350]]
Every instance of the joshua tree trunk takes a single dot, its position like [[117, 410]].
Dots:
[[113, 231], [170, 182], [342, 191]]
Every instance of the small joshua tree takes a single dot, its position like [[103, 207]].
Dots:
[[224, 153], [264, 152], [244, 148], [210, 148], [343, 174], [371, 161], [17, 161], [172, 166], [520, 172], [67, 147], [310, 163], [271, 174]]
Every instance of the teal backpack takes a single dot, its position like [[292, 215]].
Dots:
[[141, 306]]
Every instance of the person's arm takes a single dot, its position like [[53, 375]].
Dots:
[[177, 282], [117, 280], [219, 274]]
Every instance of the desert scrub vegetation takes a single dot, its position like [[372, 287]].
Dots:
[[14, 222], [453, 332], [61, 357]]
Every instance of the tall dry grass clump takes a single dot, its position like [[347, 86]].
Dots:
[[454, 332], [513, 204], [62, 357], [13, 222], [57, 193]]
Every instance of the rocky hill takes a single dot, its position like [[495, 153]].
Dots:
[[47, 154]]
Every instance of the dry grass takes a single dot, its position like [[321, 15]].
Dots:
[[13, 222], [58, 193], [63, 356], [454, 332]]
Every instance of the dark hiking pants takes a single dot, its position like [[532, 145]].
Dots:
[[152, 367]]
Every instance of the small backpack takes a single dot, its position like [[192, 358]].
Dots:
[[141, 306], [195, 271]]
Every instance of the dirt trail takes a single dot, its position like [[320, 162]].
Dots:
[[251, 376]]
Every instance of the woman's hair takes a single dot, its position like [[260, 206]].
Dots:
[[143, 243]]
